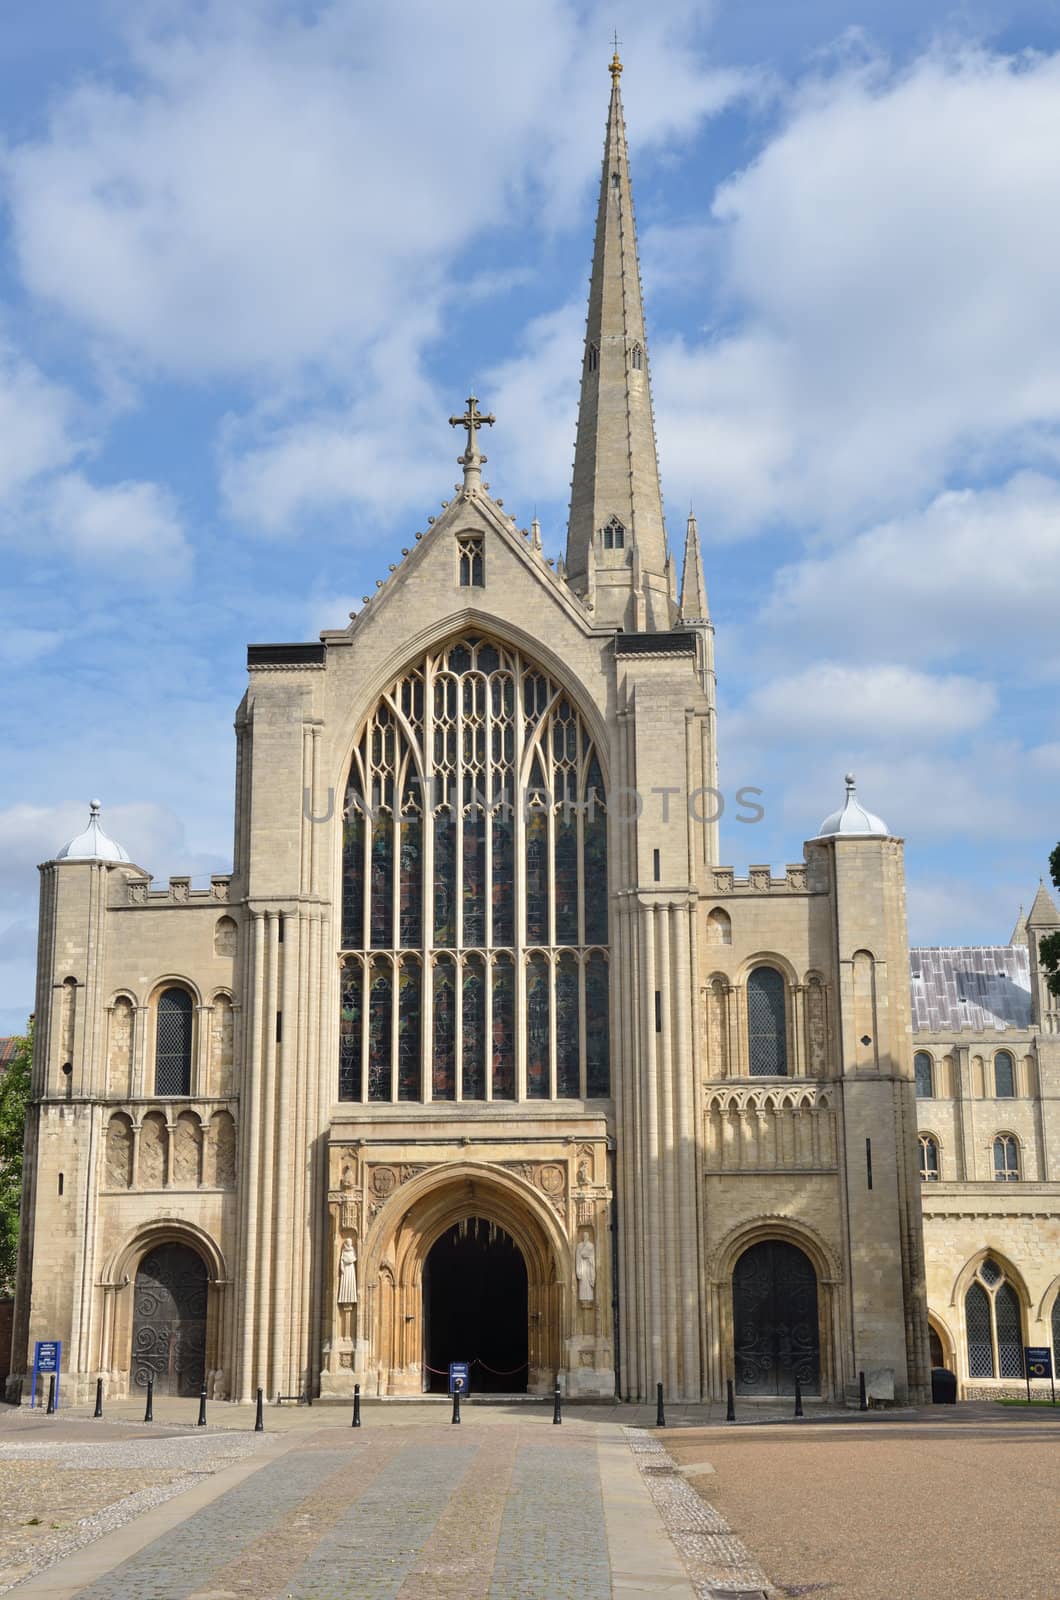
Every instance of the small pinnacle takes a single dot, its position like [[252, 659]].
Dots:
[[419, 535]]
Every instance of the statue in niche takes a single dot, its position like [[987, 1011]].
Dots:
[[348, 1274], [584, 1176], [585, 1271]]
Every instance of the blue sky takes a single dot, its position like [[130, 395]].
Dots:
[[253, 254]]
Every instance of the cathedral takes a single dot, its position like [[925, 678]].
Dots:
[[480, 1053]]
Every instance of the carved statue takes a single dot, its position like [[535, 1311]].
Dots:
[[585, 1271], [348, 1274], [583, 1173]]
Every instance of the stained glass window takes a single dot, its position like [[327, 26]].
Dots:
[[537, 1030], [597, 1028], [173, 1043], [568, 1029], [537, 877], [444, 1075], [409, 1021], [503, 1039], [473, 1028], [766, 1023], [474, 788], [924, 1074], [350, 1016], [1004, 1076], [353, 832]]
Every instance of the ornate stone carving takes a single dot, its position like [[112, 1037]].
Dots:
[[152, 1164], [119, 1153], [585, 1270], [384, 1181], [347, 1295], [552, 1179], [816, 1028]]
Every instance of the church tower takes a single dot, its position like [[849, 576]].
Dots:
[[616, 539]]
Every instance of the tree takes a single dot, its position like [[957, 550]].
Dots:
[[1049, 947], [14, 1098]]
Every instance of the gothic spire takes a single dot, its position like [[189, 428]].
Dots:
[[616, 502], [693, 583]]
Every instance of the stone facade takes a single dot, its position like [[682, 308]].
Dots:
[[686, 1096]]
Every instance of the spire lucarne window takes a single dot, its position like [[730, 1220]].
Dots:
[[474, 896]]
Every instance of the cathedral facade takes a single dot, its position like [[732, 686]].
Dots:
[[481, 1053]]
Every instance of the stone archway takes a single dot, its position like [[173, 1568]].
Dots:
[[164, 1307], [390, 1354]]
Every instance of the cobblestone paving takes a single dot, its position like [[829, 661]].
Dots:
[[405, 1513]]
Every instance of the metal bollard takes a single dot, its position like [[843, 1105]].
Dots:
[[660, 1414], [456, 1406], [863, 1404], [356, 1405], [798, 1398], [51, 1397], [557, 1413], [149, 1408], [730, 1402], [99, 1398], [259, 1415], [202, 1407]]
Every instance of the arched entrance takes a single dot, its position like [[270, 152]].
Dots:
[[776, 1330], [398, 1332], [169, 1321], [475, 1308]]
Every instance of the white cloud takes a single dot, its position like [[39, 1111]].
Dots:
[[973, 571], [272, 185], [35, 422], [19, 646], [830, 700], [118, 530], [888, 296], [535, 396]]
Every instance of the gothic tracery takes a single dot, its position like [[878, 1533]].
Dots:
[[474, 918]]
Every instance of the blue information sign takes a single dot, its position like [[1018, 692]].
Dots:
[[459, 1375], [47, 1358], [1039, 1361]]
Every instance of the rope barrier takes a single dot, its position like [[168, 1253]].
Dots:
[[443, 1372]]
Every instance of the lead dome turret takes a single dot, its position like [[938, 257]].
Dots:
[[852, 820], [93, 844]]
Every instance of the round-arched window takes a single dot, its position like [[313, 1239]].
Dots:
[[173, 1043], [766, 1025], [923, 1070]]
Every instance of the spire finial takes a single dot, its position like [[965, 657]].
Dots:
[[472, 459], [851, 782], [615, 68]]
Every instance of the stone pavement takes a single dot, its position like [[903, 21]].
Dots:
[[405, 1508]]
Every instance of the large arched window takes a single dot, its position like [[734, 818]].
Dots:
[[474, 900], [766, 1027], [994, 1325], [1004, 1075], [173, 1043], [923, 1069]]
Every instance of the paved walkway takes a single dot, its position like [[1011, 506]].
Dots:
[[499, 1509]]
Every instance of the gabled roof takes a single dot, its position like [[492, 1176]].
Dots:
[[970, 986]]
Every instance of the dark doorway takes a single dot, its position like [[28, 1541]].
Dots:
[[474, 1308], [169, 1321], [775, 1329]]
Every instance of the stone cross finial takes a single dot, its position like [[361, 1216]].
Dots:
[[472, 458]]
